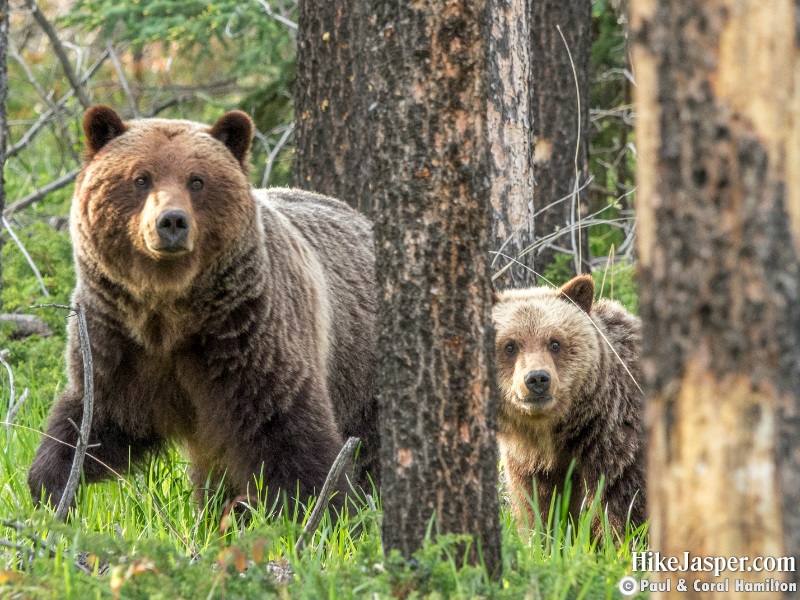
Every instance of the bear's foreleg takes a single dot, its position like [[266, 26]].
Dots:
[[289, 449], [524, 497], [111, 450]]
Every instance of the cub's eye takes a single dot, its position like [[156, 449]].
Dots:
[[510, 349], [141, 181], [554, 346], [196, 184]]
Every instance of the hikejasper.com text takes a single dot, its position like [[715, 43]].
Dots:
[[655, 562]]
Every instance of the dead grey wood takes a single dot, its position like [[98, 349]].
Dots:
[[86, 421], [26, 325], [346, 456]]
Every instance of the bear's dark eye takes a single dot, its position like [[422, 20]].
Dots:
[[141, 181], [554, 346], [196, 184], [510, 348]]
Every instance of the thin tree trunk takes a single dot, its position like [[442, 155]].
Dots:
[[332, 102], [4, 17], [510, 136], [718, 197], [561, 123], [431, 195]]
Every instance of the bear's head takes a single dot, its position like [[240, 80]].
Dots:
[[546, 349], [159, 200]]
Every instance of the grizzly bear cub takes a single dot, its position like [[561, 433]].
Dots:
[[237, 322], [566, 395]]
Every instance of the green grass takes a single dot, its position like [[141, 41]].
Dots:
[[148, 537]]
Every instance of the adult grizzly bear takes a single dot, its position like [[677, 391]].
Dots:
[[239, 322], [565, 394]]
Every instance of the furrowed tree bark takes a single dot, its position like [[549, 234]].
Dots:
[[332, 100], [718, 210], [560, 125], [432, 200], [511, 150], [4, 17]]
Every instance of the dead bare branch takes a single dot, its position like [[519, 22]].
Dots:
[[291, 25], [61, 54], [123, 80], [274, 154], [346, 455], [41, 193], [14, 410], [47, 98], [29, 553], [11, 389], [86, 420], [45, 118], [13, 404], [27, 256]]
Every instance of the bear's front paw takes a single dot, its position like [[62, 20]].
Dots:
[[46, 481]]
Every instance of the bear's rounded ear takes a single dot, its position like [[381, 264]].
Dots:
[[101, 125], [581, 291], [235, 130]]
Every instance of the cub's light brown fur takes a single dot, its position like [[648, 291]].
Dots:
[[578, 402], [250, 340]]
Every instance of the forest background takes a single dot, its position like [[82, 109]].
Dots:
[[144, 537]]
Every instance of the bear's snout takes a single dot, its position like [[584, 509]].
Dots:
[[538, 382], [173, 230]]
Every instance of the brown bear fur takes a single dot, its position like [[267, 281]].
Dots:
[[591, 410], [251, 342]]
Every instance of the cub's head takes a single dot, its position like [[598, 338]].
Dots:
[[546, 349], [158, 200]]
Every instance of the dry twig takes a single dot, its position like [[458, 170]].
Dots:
[[346, 455], [123, 81], [86, 420], [54, 108], [25, 325], [273, 154], [88, 408], [27, 256], [45, 118], [61, 54], [41, 192]]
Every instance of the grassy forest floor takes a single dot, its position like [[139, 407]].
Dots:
[[145, 536]]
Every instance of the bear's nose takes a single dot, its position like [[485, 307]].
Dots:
[[538, 382], [173, 229]]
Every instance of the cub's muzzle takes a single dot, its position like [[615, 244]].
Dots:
[[538, 382]]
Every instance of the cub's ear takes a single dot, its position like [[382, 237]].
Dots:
[[235, 130], [101, 125], [581, 291]]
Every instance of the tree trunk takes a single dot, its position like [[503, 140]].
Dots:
[[560, 126], [4, 17], [431, 195], [332, 102], [511, 150], [718, 198]]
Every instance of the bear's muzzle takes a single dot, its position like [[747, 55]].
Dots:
[[173, 228]]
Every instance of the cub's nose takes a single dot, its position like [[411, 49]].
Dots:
[[538, 382], [173, 229]]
